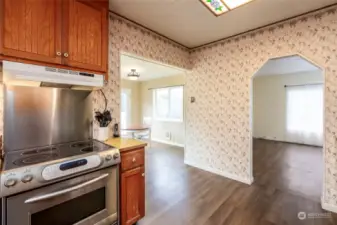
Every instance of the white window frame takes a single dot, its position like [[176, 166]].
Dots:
[[167, 119]]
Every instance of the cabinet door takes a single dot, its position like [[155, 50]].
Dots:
[[86, 32], [31, 29], [132, 196]]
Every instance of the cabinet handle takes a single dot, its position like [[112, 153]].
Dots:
[[143, 174], [58, 53], [134, 160], [66, 55]]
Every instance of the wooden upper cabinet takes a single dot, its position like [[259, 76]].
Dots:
[[72, 33], [31, 29], [86, 33]]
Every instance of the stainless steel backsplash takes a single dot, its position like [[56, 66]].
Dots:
[[37, 116]]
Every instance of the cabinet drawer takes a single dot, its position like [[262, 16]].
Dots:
[[132, 159]]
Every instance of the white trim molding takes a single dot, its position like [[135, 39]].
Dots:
[[329, 207], [221, 173], [168, 142]]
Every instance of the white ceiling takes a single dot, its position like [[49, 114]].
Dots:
[[286, 65], [147, 70], [190, 23]]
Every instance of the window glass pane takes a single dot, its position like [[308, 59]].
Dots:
[[305, 109], [162, 103], [176, 103], [169, 103]]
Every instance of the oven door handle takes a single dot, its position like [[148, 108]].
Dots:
[[57, 193]]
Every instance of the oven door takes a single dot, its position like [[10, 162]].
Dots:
[[85, 200]]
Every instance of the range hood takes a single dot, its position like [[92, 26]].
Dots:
[[40, 76]]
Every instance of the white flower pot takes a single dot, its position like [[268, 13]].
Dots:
[[103, 133]]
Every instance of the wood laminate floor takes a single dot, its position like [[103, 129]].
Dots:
[[288, 180]]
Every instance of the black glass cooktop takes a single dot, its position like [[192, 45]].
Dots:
[[36, 155]]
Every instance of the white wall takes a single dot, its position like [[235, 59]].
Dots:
[[269, 102], [160, 128]]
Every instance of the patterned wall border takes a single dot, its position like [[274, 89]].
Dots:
[[268, 28]]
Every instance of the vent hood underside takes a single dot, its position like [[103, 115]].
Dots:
[[38, 76]]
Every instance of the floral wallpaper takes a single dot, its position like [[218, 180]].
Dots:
[[218, 134], [125, 36]]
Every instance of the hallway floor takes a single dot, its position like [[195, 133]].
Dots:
[[177, 194]]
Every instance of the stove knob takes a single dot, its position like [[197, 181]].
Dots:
[[116, 156], [27, 178], [108, 158], [10, 182]]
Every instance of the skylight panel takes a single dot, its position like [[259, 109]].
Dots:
[[235, 3], [218, 7]]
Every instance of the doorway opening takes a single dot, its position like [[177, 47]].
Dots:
[[287, 123], [152, 101]]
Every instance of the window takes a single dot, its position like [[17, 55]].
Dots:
[[168, 103], [304, 118]]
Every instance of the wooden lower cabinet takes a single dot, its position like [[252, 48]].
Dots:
[[132, 191]]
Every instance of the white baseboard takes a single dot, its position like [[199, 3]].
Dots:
[[329, 207], [168, 142], [221, 173]]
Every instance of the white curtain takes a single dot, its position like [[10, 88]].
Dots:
[[304, 106]]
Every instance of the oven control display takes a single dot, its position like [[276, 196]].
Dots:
[[73, 164], [58, 170]]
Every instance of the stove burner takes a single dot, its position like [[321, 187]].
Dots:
[[34, 159], [81, 144], [89, 149], [41, 150]]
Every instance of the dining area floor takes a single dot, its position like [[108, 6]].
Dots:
[[178, 194]]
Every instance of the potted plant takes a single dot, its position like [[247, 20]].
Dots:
[[104, 119]]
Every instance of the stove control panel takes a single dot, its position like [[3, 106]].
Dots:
[[34, 176], [67, 168], [10, 182], [27, 178]]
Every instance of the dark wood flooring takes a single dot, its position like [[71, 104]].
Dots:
[[287, 181]]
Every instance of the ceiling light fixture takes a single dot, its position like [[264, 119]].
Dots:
[[133, 75], [219, 7]]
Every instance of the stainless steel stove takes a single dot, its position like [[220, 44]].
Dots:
[[31, 168], [60, 181]]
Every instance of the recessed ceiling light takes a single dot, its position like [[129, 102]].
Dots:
[[218, 7]]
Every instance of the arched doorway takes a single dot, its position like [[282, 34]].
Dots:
[[288, 126]]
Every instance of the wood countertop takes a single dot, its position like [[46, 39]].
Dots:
[[125, 144]]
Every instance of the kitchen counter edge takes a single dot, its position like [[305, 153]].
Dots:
[[125, 144]]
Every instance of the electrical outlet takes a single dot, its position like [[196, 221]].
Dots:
[[168, 135]]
